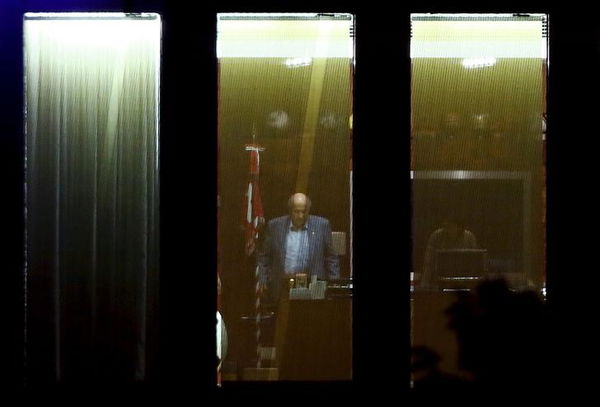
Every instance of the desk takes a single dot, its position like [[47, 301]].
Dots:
[[313, 339]]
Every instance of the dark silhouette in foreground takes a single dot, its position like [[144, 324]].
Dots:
[[506, 340]]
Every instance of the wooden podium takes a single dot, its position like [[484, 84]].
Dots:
[[313, 339]]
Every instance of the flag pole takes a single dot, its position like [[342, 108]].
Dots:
[[254, 220]]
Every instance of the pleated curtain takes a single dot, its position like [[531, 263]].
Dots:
[[92, 198]]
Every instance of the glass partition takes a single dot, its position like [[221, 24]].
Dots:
[[284, 195], [478, 168]]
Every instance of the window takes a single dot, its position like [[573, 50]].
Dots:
[[477, 161], [92, 90], [285, 128]]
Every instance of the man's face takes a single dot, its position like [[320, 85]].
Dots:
[[299, 213]]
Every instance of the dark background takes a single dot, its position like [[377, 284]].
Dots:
[[492, 209], [381, 188]]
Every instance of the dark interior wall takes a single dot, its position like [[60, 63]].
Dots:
[[489, 208]]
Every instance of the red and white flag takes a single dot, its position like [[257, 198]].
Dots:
[[253, 210], [254, 219]]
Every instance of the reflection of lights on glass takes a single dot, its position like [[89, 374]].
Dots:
[[543, 128], [460, 174], [329, 120], [350, 123], [480, 120], [278, 119], [474, 63], [298, 62], [544, 291]]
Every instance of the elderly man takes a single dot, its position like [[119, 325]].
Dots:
[[296, 243]]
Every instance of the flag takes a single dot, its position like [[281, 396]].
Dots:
[[254, 219], [253, 209]]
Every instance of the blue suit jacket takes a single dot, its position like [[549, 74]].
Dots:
[[322, 261]]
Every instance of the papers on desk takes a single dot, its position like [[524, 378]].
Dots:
[[300, 294], [315, 291]]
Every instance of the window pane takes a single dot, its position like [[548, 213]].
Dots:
[[92, 85], [478, 176], [285, 126]]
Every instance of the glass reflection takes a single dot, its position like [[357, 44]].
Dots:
[[478, 109], [284, 239]]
